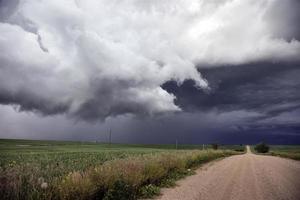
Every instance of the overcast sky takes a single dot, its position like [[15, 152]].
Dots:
[[154, 71]]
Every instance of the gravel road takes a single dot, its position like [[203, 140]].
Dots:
[[241, 177]]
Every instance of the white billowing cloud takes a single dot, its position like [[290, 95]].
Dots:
[[93, 59]]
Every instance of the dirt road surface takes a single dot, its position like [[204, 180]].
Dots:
[[241, 177]]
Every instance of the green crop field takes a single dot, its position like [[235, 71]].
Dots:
[[287, 151], [86, 170]]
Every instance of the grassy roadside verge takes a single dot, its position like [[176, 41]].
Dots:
[[127, 178], [284, 151], [290, 155]]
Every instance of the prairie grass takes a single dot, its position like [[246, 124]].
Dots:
[[285, 151], [127, 178], [291, 155]]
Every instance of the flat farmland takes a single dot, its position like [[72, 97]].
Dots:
[[85, 170], [286, 151]]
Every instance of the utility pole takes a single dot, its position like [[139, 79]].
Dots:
[[202, 146], [176, 145], [109, 137]]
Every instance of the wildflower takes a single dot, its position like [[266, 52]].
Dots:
[[44, 185]]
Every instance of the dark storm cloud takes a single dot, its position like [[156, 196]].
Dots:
[[230, 67], [26, 101], [268, 88], [93, 59], [262, 102]]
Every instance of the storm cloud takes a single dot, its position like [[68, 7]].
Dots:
[[268, 88], [93, 59]]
